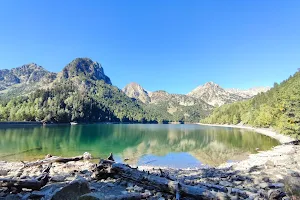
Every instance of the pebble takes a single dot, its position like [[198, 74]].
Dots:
[[130, 188], [293, 173], [263, 185], [266, 179], [147, 192], [221, 196], [3, 172], [158, 194], [58, 178], [276, 185], [137, 188], [237, 182], [225, 183]]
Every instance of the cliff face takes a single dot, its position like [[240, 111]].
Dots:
[[134, 90], [26, 74], [85, 68], [214, 95], [27, 78], [248, 93]]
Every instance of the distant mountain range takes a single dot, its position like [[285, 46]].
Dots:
[[82, 84], [209, 93]]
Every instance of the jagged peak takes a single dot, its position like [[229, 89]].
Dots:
[[87, 67], [135, 90], [29, 66], [133, 84], [211, 84]]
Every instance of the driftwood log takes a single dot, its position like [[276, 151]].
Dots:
[[52, 159], [109, 168], [33, 184]]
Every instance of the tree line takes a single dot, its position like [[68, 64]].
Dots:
[[278, 108]]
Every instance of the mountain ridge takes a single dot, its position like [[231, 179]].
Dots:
[[210, 93]]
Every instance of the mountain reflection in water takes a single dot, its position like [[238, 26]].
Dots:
[[143, 144]]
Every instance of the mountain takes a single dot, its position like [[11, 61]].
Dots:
[[214, 95], [134, 90], [80, 92], [84, 68], [27, 78], [248, 93], [278, 108], [26, 74], [181, 107], [176, 107], [24, 79]]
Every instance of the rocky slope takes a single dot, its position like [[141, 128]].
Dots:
[[134, 90], [27, 78], [180, 107], [26, 74], [24, 79], [248, 93], [84, 68], [214, 95]]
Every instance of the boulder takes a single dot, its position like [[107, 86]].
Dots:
[[73, 190], [102, 196]]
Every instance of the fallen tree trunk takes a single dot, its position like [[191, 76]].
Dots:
[[163, 184], [33, 184], [57, 159]]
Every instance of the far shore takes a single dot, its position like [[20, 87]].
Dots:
[[265, 131]]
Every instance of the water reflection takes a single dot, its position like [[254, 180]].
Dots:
[[139, 143]]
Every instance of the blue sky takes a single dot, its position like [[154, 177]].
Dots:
[[170, 45]]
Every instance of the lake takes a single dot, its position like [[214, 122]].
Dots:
[[165, 145]]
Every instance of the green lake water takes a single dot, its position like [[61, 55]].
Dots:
[[163, 145]]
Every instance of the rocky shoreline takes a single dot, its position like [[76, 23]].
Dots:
[[273, 174]]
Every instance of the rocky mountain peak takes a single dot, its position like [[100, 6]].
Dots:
[[211, 84], [136, 91], [85, 67], [248, 93], [31, 73], [213, 94]]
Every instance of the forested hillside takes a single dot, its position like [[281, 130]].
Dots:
[[81, 92], [278, 108], [67, 102]]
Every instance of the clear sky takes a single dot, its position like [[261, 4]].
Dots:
[[170, 45]]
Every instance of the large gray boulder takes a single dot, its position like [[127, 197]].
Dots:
[[102, 196], [73, 190]]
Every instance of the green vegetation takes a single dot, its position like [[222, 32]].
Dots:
[[80, 92], [84, 100], [92, 101], [278, 108]]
